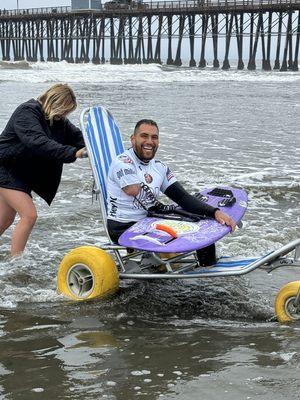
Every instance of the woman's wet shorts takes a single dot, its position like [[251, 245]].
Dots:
[[9, 180]]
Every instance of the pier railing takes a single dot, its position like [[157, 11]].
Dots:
[[156, 5], [31, 11]]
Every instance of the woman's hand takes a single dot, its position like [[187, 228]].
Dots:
[[81, 153], [224, 219]]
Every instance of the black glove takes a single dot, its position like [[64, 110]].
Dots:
[[163, 208]]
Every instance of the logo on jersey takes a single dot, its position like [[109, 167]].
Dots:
[[169, 174], [148, 178], [125, 159], [125, 171], [114, 207], [147, 197]]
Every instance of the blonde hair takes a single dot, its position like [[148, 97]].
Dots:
[[58, 101]]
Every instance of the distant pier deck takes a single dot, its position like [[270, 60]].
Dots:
[[264, 33]]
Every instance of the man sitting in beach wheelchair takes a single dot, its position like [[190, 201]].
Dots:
[[135, 180]]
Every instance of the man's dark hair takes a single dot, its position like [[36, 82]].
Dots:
[[147, 122]]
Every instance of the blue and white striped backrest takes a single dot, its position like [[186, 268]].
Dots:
[[103, 142]]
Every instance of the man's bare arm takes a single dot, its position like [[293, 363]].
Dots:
[[132, 190]]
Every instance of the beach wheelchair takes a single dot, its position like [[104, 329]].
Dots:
[[89, 272]]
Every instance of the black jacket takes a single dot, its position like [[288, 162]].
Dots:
[[36, 151]]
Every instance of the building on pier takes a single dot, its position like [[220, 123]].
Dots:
[[86, 4]]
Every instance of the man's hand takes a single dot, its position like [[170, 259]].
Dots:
[[224, 219]]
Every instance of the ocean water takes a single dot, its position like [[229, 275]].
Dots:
[[212, 338]]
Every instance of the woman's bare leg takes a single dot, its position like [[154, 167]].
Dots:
[[7, 215], [21, 203]]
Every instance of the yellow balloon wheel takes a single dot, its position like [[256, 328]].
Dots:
[[86, 273], [285, 308]]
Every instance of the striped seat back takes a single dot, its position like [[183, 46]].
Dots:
[[103, 142]]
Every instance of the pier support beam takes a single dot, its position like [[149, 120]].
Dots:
[[157, 55], [239, 38], [277, 58], [295, 63], [229, 23], [191, 22], [170, 58], [267, 66], [202, 63], [251, 64], [178, 61], [288, 43], [214, 29]]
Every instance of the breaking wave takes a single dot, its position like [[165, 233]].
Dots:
[[152, 73]]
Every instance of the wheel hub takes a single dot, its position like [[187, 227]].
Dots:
[[80, 280], [292, 308]]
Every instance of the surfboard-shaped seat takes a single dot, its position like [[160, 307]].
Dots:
[[104, 142], [160, 235]]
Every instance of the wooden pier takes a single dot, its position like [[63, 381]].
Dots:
[[205, 32]]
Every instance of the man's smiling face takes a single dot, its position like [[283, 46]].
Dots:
[[145, 142]]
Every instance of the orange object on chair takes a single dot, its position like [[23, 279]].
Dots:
[[167, 229]]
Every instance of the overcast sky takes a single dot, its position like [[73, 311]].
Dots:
[[11, 4]]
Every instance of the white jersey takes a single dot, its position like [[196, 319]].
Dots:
[[128, 169]]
